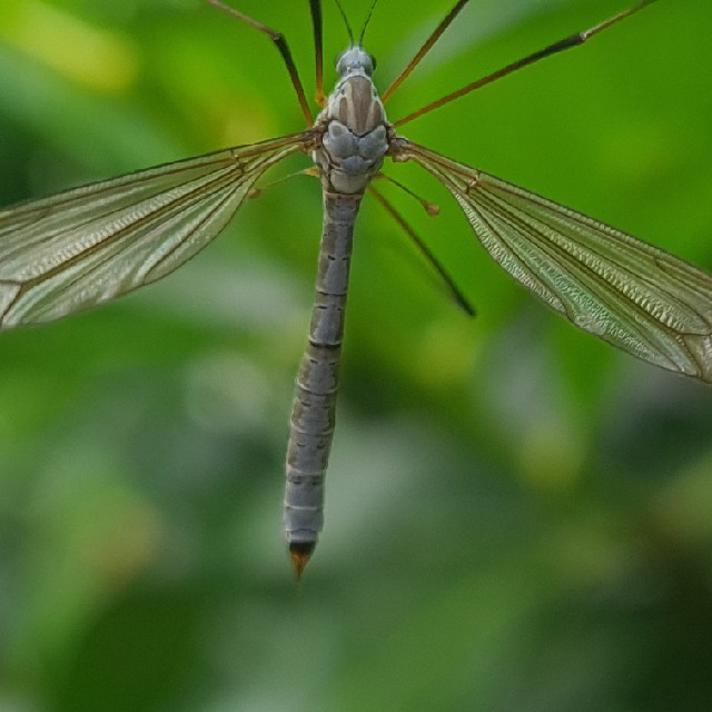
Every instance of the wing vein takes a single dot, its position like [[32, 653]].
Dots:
[[96, 242], [127, 229], [193, 231], [581, 273], [631, 294]]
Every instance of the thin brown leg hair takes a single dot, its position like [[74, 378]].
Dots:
[[318, 30], [420, 54], [570, 42], [452, 288], [281, 44]]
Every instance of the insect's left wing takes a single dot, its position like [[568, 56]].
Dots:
[[88, 245], [631, 294]]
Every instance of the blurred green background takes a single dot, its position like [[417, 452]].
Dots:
[[518, 516]]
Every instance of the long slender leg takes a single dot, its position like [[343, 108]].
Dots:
[[567, 43], [437, 34], [281, 44], [460, 299], [317, 22]]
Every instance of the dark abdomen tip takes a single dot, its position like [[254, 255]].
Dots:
[[300, 552]]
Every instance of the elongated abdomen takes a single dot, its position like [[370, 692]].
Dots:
[[311, 426]]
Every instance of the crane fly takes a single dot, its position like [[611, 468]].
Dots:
[[85, 246]]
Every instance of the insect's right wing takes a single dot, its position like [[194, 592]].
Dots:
[[85, 246], [631, 294]]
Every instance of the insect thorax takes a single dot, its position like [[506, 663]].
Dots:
[[355, 134]]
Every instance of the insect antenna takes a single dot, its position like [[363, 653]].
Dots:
[[365, 24], [346, 21]]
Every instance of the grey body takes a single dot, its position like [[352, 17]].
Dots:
[[354, 140]]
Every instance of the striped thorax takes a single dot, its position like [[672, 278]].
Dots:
[[355, 131]]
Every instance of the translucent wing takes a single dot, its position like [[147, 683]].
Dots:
[[633, 295], [91, 244]]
